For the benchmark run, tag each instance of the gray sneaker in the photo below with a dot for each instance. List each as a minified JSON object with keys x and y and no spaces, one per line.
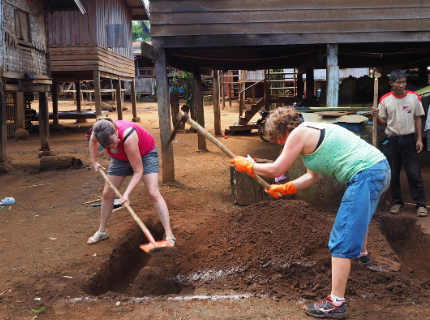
{"x":421,"y":212}
{"x":397,"y":208}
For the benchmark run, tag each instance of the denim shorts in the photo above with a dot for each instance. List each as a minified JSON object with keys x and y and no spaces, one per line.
{"x":363,"y":193}
{"x":123,"y":168}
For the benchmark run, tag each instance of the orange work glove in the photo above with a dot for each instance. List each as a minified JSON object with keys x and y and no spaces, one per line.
{"x":243,"y":165}
{"x":283,"y":189}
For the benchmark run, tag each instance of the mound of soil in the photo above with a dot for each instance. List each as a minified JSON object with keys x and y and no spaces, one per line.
{"x":276,"y":248}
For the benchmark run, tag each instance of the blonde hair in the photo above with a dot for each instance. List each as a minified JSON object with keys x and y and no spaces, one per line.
{"x":103,"y":129}
{"x":281,"y":121}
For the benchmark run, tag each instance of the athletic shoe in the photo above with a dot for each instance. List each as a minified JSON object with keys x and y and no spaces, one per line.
{"x":365,"y":259}
{"x":326,"y":309}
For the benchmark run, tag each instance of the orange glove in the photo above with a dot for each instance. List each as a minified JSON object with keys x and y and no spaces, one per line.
{"x":243,"y":165}
{"x":283,"y":189}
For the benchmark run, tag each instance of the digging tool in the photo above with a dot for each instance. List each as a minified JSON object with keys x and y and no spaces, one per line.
{"x":375,"y":117}
{"x":223,"y":148}
{"x":153,"y":245}
{"x":183,"y":119}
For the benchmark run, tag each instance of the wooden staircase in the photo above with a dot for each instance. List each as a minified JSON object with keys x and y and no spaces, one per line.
{"x":243,"y":120}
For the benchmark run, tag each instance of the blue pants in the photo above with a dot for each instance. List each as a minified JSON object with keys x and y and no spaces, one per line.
{"x":363,"y":193}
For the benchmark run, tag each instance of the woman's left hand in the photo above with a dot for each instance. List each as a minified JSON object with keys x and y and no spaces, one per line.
{"x":124,"y":200}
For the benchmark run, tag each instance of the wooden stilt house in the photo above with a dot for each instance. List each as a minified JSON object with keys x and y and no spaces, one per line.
{"x":96,"y":45}
{"x":24,"y":67}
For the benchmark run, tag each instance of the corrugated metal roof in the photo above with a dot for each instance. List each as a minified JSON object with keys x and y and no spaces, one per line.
{"x":138,"y":9}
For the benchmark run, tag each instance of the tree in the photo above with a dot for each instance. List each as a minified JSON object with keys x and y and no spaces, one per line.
{"x":141,"y":30}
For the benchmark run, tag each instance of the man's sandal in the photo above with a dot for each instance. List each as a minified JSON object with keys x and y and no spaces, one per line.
{"x":98,"y":236}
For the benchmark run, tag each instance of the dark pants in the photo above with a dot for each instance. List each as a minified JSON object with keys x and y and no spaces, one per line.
{"x":402,"y":150}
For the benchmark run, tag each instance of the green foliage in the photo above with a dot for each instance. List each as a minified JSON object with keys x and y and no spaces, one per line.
{"x":38,"y":311}
{"x":138,"y":33}
{"x":183,"y":82}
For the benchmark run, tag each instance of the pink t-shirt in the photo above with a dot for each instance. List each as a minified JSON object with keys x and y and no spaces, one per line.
{"x":146,"y":141}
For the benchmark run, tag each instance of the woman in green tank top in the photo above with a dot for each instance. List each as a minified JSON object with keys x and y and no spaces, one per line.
{"x":328,"y":149}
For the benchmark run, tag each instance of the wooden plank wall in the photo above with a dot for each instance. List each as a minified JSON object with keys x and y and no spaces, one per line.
{"x":88,"y":58}
{"x":289,"y":22}
{"x":70,"y":28}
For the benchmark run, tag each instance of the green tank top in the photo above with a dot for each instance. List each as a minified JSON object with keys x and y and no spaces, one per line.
{"x":342,"y":154}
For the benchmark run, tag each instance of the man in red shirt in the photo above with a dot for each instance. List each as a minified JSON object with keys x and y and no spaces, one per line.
{"x":401,"y":111}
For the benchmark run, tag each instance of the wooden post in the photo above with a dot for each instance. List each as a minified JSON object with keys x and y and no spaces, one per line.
{"x":74,"y":93}
{"x":332,"y":76}
{"x":167,"y":160}
{"x":267,"y":92}
{"x":79,"y":96}
{"x":134,"y":102}
{"x":310,"y":83}
{"x":97,"y":93}
{"x":113,"y":93}
{"x":300,"y":86}
{"x":20,"y":110}
{"x":375,"y":117}
{"x":55,"y":101}
{"x":198,"y":106}
{"x":3,"y":118}
{"x":253,"y":94}
{"x":44,"y":124}
{"x":222,"y":89}
{"x":119,"y":99}
{"x":230,"y":85}
{"x":217,"y":113}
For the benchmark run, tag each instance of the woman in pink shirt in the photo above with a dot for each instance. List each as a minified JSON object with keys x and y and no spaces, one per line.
{"x":133,"y":153}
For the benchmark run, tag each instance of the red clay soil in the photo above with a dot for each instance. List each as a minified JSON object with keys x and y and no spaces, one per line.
{"x":262,"y":261}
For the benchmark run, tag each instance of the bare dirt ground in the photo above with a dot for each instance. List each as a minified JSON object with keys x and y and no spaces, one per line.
{"x":262,"y":261}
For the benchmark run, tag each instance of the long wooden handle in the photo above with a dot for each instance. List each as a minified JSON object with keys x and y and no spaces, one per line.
{"x":139,"y":222}
{"x":375,"y":117}
{"x":230,"y":154}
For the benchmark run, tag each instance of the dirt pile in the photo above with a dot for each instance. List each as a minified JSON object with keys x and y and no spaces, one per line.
{"x":276,"y":248}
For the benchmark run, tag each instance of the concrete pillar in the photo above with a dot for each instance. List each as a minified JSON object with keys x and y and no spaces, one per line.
{"x":332,"y":76}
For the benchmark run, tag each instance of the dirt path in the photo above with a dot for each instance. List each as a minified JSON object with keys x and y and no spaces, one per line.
{"x":262,"y":261}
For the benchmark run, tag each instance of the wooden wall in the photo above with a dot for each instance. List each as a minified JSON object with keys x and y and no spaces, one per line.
{"x":69,"y":28}
{"x":279,"y":22}
{"x":30,"y":54}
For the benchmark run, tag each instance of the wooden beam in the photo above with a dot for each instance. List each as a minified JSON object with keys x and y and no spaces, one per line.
{"x":167,"y":160}
{"x":332,"y":76}
{"x":148,"y":51}
{"x":310,"y":83}
{"x":44,"y":123}
{"x":20,"y":110}
{"x":217,"y":112}
{"x":118,"y":99}
{"x":97,"y":94}
{"x":198,"y":106}
{"x":133,"y":101}
{"x":3,"y":125}
{"x":79,"y":96}
{"x":55,"y":102}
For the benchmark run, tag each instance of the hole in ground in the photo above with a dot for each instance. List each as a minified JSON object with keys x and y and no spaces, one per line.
{"x":410,"y":243}
{"x":126,"y":270}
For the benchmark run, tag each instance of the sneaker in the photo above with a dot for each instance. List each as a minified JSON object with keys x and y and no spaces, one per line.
{"x":397,"y":208}
{"x":326,"y":309}
{"x":365,"y":259}
{"x":421,"y":212}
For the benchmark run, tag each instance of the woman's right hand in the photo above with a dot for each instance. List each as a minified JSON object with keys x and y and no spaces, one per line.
{"x":97,"y":166}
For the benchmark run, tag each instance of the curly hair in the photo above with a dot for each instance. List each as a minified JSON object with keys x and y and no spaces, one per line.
{"x":279,"y":122}
{"x":103,"y":129}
